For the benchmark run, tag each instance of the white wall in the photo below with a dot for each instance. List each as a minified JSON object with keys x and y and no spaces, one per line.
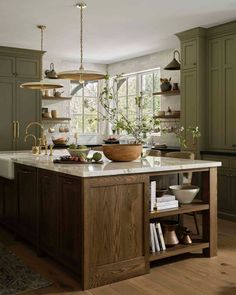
{"x":142,"y":63}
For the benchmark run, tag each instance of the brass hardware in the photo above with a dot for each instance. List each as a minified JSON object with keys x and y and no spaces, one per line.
{"x":35,"y":148}
{"x":81,"y":74}
{"x":18,"y":129}
{"x":35,"y":123}
{"x":14,"y":130}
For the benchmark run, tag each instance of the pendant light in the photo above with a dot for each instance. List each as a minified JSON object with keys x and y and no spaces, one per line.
{"x":42,"y":84}
{"x":81,"y":75}
{"x":174,"y":64}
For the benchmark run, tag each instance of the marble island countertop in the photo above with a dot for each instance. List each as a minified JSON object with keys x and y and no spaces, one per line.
{"x":108,"y":168}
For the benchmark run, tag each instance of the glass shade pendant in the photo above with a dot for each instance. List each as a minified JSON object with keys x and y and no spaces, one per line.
{"x":43,"y":84}
{"x":174,"y":65}
{"x":81,"y":75}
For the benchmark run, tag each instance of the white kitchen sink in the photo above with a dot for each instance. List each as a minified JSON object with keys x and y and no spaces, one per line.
{"x":7,"y":165}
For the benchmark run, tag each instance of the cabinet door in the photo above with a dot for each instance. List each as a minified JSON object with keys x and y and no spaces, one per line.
{"x":2,"y":197}
{"x":224,"y":198}
{"x":48,"y":211}
{"x":115,"y":229}
{"x":7,"y":66}
{"x":70,"y":221}
{"x":7,"y":93}
{"x":26,"y":178}
{"x":229,"y":87}
{"x":28,"y":109}
{"x":216,"y":120}
{"x":189,"y":105}
{"x":27,"y":68}
{"x":233,"y":194}
{"x":10,"y":205}
{"x":189,"y":55}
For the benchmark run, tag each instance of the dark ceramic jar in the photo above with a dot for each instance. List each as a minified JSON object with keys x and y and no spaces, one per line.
{"x":165,"y":86}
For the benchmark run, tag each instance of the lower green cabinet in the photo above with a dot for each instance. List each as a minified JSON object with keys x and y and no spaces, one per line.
{"x":226,"y":186}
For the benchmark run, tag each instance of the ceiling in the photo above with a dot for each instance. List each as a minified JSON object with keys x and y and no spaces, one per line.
{"x":114,"y":30}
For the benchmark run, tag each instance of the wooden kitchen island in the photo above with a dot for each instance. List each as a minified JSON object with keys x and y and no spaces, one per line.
{"x":94,"y":219}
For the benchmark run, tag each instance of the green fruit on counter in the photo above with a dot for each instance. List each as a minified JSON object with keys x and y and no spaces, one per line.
{"x":72,"y":146}
{"x":97,"y":157}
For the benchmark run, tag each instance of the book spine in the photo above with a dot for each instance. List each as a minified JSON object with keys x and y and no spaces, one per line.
{"x":159,"y":230}
{"x":153,"y":195}
{"x":156,"y":238}
{"x":152,"y":239}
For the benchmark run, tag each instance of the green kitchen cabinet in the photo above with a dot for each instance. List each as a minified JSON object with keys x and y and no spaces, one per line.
{"x":189,"y":54}
{"x":7,"y":66}
{"x":7,"y":114}
{"x":222,"y":92}
{"x":226,"y":185}
{"x":193,"y":84}
{"x":28,"y":106}
{"x":189,"y":103}
{"x":18,"y":106}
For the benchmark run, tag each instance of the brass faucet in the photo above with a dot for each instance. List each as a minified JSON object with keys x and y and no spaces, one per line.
{"x":35,"y":148}
{"x":42,"y":140}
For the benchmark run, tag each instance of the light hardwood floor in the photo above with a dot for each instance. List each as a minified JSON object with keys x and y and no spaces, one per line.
{"x":186,"y":274}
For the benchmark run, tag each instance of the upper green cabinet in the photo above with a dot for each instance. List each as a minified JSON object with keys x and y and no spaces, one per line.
{"x":189,"y":54}
{"x":7,"y":66}
{"x":27,"y":68}
{"x":18,"y":106}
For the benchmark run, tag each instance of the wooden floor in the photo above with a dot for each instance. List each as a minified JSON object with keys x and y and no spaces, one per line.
{"x":186,"y":274}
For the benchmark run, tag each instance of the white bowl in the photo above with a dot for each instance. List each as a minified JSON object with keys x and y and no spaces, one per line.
{"x":184,"y":193}
{"x":76,"y":152}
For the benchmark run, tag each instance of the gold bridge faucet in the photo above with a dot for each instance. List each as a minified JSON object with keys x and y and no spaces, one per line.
{"x":42,"y":139}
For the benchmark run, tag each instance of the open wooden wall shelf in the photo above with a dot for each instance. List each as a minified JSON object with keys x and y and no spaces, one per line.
{"x":55,"y":119}
{"x":167,"y":93}
{"x":56,"y":98}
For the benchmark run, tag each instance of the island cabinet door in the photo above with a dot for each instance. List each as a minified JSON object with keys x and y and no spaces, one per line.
{"x":48,"y":211}
{"x":70,"y":226}
{"x":116,"y":241}
{"x":26,"y":186}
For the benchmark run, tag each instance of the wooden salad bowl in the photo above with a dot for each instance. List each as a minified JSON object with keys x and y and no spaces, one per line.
{"x":122,"y":152}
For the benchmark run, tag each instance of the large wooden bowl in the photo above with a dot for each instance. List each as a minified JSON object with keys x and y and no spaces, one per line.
{"x":122,"y":152}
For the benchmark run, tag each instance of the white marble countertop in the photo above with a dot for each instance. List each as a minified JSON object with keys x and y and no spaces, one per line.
{"x":147,"y":165}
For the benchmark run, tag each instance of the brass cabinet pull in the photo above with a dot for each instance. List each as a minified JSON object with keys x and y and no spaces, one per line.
{"x":14,"y":130}
{"x":18,"y":129}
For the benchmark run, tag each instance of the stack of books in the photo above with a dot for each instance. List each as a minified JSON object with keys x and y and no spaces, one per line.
{"x":157,"y":242}
{"x":166,"y":202}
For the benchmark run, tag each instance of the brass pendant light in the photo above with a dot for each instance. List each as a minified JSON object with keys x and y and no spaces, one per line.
{"x":174,"y":65}
{"x":42,"y":84}
{"x":81,"y":75}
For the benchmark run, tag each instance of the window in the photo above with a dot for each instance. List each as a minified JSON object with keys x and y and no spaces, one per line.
{"x":84,"y":120}
{"x":131,"y":85}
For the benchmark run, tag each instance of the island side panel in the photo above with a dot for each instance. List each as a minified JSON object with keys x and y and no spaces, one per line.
{"x":116,"y":237}
{"x":209,"y":220}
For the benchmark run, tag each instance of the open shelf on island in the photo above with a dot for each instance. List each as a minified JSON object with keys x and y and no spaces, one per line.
{"x":197,"y":205}
{"x":55,"y":119}
{"x":179,"y":249}
{"x":56,"y":97}
{"x":167,"y":93}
